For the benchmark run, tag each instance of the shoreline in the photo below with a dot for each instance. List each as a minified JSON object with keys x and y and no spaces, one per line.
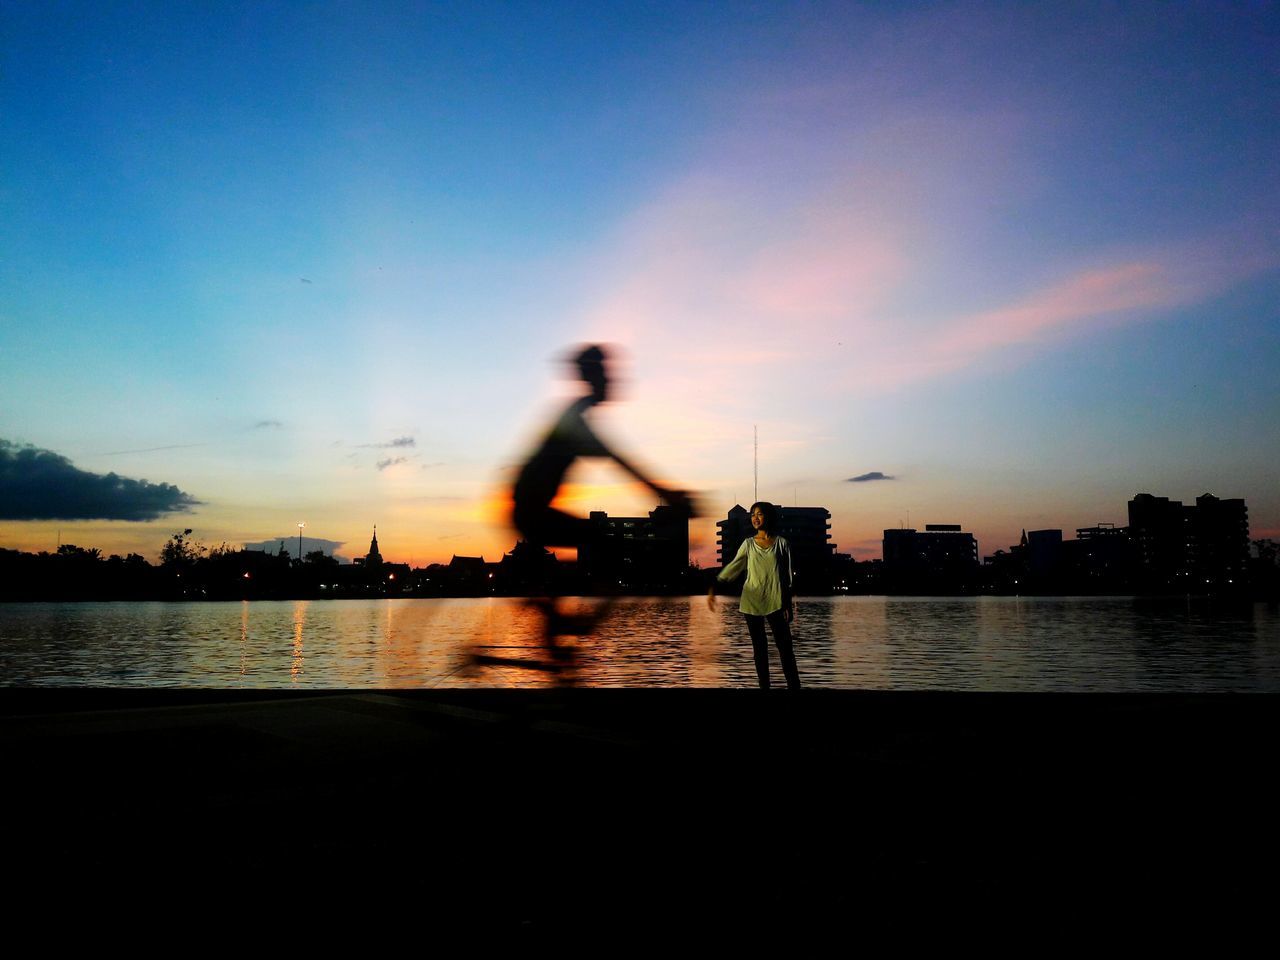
{"x":603,"y":800}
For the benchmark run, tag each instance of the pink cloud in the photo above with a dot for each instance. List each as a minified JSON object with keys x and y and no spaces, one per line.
{"x":1066,"y":307}
{"x":761,"y":287}
{"x":1127,"y":287}
{"x":1132,"y":290}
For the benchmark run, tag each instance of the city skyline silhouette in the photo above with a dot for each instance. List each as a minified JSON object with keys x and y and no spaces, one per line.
{"x":1167,"y":548}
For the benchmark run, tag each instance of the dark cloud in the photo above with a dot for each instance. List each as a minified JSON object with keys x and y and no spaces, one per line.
{"x":873,"y":475}
{"x":268,"y":425}
{"x":397,"y":444}
{"x":391,"y":462}
{"x":39,"y":484}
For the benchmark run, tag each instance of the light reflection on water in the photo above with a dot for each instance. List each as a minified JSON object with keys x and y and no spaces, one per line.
{"x":915,"y":643}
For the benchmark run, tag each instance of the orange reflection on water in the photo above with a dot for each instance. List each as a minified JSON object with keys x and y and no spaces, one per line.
{"x":512,"y":629}
{"x":299,"y":620}
{"x":707,"y":638}
{"x":244,"y":637}
{"x":398,"y":651}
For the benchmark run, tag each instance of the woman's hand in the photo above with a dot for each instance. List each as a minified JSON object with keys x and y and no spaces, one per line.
{"x":789,"y":612}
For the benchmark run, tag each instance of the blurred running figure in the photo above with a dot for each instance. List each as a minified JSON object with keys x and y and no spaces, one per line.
{"x":570,"y":437}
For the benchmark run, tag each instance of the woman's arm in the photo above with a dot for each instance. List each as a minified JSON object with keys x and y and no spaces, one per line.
{"x":785,"y":573}
{"x":734,"y":570}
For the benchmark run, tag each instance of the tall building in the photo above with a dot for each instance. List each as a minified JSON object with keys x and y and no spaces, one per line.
{"x":1187,"y":548}
{"x":1160,"y":531}
{"x":731,"y":531}
{"x":637,"y":553}
{"x":813,"y":555}
{"x":806,"y":529}
{"x":1219,"y":543}
{"x":941,"y":559}
{"x":1044,"y":555}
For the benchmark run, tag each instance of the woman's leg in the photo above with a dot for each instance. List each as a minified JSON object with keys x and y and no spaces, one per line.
{"x":786,"y":651}
{"x":759,"y":647}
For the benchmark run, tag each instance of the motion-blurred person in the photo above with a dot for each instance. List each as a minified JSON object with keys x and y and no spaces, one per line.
{"x":569,"y":438}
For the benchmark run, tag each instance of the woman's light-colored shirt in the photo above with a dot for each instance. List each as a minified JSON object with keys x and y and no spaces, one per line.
{"x":762,"y":593}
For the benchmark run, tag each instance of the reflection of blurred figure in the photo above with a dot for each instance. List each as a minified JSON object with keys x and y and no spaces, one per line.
{"x":766,"y":559}
{"x":541,"y":524}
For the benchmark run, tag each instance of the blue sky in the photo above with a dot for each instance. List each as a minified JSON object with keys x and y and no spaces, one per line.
{"x":1021,"y":258}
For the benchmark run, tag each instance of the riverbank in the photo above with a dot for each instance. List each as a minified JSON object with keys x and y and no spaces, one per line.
{"x":529,"y":808}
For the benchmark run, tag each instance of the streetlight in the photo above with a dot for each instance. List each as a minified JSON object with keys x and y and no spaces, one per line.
{"x":300,"y":526}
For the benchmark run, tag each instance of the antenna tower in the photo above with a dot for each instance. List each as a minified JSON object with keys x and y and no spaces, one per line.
{"x":755,"y":468}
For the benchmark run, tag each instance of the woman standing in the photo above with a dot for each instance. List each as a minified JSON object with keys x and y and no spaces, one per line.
{"x":766,"y":558}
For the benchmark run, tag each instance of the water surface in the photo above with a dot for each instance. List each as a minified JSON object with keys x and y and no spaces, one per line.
{"x":887,"y":643}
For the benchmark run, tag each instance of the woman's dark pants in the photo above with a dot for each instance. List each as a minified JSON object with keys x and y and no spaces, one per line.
{"x":781,"y":639}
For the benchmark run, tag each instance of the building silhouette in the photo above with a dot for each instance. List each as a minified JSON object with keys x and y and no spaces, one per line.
{"x":371,"y":575}
{"x":527,"y":570}
{"x":1168,"y":547}
{"x":1007,"y":571}
{"x":1160,"y":531}
{"x":813,"y":555}
{"x":1101,"y":559}
{"x":942,"y":559}
{"x":373,"y":559}
{"x":1044,"y":555}
{"x":1184,"y":548}
{"x":641,"y":554}
{"x":731,"y":531}
{"x":1219,"y":543}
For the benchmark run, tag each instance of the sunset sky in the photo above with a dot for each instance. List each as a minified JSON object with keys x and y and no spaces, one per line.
{"x":322,"y":262}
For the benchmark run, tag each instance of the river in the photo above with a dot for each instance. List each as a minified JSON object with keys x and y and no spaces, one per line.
{"x":883,"y":643}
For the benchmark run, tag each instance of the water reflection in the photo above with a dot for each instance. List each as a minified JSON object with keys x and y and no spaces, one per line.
{"x":244,"y":638}
{"x":812,"y":632}
{"x":299,"y":621}
{"x":983,"y":643}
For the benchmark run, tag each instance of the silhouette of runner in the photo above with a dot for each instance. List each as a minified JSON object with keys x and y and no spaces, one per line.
{"x":541,"y":524}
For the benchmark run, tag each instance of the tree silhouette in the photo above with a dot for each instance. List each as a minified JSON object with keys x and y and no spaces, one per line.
{"x":181,"y":552}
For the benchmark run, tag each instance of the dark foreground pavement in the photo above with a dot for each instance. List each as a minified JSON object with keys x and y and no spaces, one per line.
{"x":548,"y":809}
